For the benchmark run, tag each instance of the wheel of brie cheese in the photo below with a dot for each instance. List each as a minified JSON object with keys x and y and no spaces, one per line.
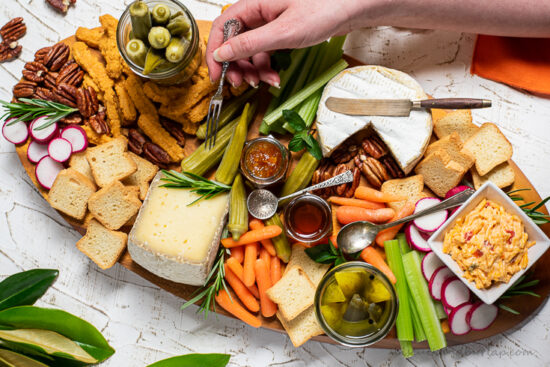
{"x":406,"y":137}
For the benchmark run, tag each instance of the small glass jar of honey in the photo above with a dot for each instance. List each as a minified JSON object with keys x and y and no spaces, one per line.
{"x":264,"y":161}
{"x":307,"y":218}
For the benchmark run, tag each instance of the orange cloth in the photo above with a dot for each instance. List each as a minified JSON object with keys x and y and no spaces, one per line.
{"x":519,"y":62}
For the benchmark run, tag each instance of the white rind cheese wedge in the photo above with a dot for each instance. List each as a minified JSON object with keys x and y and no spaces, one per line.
{"x":176,"y":241}
{"x":406,"y":137}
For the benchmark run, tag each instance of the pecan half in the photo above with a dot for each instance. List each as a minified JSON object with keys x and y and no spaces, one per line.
{"x":329,"y":173}
{"x":61,"y":5}
{"x":73,"y":118}
{"x":35,"y":71}
{"x":345,"y":154}
{"x":98,"y":124}
{"x":57,"y":56}
{"x":136,"y":141}
{"x":354,"y":184}
{"x":374,"y":171}
{"x":49,"y":80}
{"x":9,"y":50}
{"x":41,"y":54}
{"x":86,"y":101}
{"x":13,"y":30}
{"x":319,"y":174}
{"x":175,"y":130}
{"x":65,"y":94}
{"x":374,"y":147}
{"x":43,"y":93}
{"x":70,"y":74}
{"x":156,"y":154}
{"x":24,"y":89}
{"x":392,"y":167}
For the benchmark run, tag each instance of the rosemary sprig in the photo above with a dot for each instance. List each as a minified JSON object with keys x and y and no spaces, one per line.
{"x":33,"y":108}
{"x":519,"y":289}
{"x":531,"y":211}
{"x":213,"y":284}
{"x":206,"y":189}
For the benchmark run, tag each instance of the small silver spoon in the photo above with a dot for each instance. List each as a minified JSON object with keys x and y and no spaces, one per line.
{"x":356,"y":236}
{"x":262,"y":204}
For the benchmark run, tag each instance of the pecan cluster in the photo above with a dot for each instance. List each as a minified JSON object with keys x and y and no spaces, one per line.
{"x":138,"y":144}
{"x":11,"y":32}
{"x":61,"y":5}
{"x":370,"y":158}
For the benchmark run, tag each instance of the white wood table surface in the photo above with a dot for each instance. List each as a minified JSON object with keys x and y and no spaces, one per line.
{"x":144,"y":323}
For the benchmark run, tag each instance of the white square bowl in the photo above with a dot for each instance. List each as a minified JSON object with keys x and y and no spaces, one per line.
{"x":491,"y":192}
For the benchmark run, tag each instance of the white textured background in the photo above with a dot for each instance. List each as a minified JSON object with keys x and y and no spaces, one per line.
{"x":145,"y":324}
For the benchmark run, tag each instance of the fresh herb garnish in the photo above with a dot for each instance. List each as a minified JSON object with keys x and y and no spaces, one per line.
{"x":328,"y":254}
{"x":33,"y":108}
{"x":531,"y":211}
{"x":519,"y":288}
{"x":214,"y":283}
{"x":303,"y":137}
{"x":206,"y":189}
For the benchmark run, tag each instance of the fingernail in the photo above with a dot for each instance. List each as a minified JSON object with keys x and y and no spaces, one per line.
{"x":253,"y":84}
{"x":233,"y":85}
{"x":276,"y":85}
{"x":223,"y":53}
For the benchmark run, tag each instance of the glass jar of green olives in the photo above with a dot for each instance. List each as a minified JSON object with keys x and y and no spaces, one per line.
{"x":159,"y":40}
{"x":355,"y":304}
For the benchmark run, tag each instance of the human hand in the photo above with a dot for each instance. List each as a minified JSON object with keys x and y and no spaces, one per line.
{"x":271,"y":25}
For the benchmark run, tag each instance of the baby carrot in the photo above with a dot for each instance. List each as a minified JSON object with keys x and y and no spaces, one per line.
{"x":254,"y":235}
{"x":267,"y":243}
{"x":390,"y":233}
{"x":241,"y":291}
{"x":372,"y":256}
{"x":254,"y":290}
{"x":356,"y":202}
{"x":235,"y":267}
{"x":250,"y":255}
{"x":238,"y":253}
{"x":349,"y":214}
{"x":266,"y":257}
{"x":263,"y":279}
{"x":370,"y":194}
{"x":234,"y":308}
{"x":275,"y":269}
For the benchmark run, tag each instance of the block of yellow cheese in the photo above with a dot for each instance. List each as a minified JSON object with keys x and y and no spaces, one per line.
{"x":174,"y":240}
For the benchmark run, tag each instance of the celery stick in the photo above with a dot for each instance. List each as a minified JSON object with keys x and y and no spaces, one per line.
{"x":309,"y":109}
{"x":306,"y":69}
{"x":439,"y":309}
{"x":423,"y":301}
{"x":296,"y":56}
{"x":404,"y":322}
{"x":307,"y":91}
{"x":419,"y":334}
{"x":406,"y":349}
{"x":403,"y":244}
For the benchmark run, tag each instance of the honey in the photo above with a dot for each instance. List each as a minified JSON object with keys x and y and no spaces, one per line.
{"x":307,"y":218}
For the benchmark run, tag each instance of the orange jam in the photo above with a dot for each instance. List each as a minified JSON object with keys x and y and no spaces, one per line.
{"x":263,"y":159}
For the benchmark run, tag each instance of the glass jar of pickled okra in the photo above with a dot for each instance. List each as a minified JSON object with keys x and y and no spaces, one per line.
{"x":264,"y":161}
{"x":160,"y":41}
{"x":356,"y":304}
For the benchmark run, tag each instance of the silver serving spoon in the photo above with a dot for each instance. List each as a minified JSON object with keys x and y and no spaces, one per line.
{"x":262,"y":204}
{"x":356,"y":236}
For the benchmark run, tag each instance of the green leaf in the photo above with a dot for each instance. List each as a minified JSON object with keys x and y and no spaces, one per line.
{"x":506,"y":308}
{"x":26,"y":287}
{"x":12,"y":359}
{"x":296,"y":144}
{"x":313,"y":147}
{"x":61,"y":322}
{"x":194,"y":360}
{"x":294,"y":120}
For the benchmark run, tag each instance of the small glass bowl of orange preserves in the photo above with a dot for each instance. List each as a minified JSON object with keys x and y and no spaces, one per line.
{"x":264,"y":161}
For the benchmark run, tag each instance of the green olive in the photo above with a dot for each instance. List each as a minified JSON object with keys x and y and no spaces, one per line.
{"x":159,"y":37}
{"x":136,"y":51}
{"x":161,"y":14}
{"x":176,"y":50}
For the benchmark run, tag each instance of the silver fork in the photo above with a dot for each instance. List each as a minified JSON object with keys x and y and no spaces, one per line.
{"x":230,"y":29}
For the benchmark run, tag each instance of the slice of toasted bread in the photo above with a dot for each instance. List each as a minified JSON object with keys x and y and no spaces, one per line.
{"x":489,"y":147}
{"x":410,"y":187}
{"x":79,"y":163}
{"x":110,"y":161}
{"x":70,"y":193}
{"x":313,"y":270}
{"x":459,"y":121}
{"x":440,"y":172}
{"x":114,"y":205}
{"x":502,"y":175}
{"x":101,"y":245}
{"x":293,"y":293}
{"x":453,"y":146}
{"x":145,"y":172}
{"x":301,"y":328}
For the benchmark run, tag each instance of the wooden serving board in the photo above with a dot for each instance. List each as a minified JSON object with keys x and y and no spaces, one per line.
{"x":525,"y":305}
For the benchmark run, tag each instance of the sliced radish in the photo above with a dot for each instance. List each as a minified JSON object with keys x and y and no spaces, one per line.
{"x":60,"y":150}
{"x":415,"y":238}
{"x":481,"y":316}
{"x":46,"y":171}
{"x":42,"y":135}
{"x":76,"y":136}
{"x":430,"y":263}
{"x":436,"y":281}
{"x":454,"y":293}
{"x":36,"y":151}
{"x":457,"y":319}
{"x":448,"y":310}
{"x":455,"y":190}
{"x":16,"y":133}
{"x":431,"y":222}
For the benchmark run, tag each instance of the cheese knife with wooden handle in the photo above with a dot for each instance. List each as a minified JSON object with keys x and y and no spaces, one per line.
{"x":399,"y":107}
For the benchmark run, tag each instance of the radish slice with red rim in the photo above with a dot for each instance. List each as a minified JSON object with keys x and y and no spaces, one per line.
{"x":436,"y":281}
{"x":42,"y":135}
{"x":430,"y":263}
{"x":455,"y":190}
{"x":481,"y":316}
{"x":454,"y":293}
{"x":36,"y":151}
{"x":16,"y":133}
{"x":60,"y":150}
{"x":415,"y":239}
{"x":76,"y":136}
{"x":431,"y":222}
{"x":46,"y":171}
{"x":457,"y":319}
{"x":447,"y":310}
